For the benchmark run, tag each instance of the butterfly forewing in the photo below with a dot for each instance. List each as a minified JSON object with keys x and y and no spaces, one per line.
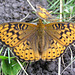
{"x":13,"y":33}
{"x":63,"y":32}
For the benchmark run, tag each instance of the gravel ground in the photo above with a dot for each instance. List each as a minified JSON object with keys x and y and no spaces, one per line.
{"x":14,"y":11}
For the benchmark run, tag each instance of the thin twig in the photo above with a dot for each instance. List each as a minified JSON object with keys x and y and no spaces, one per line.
{"x":61,"y":10}
{"x":5,"y":52}
{"x":1,"y":50}
{"x":59,"y":62}
{"x":68,"y":66}
{"x":31,"y":5}
{"x":22,"y":67}
{"x":59,"y":65}
{"x":24,"y":17}
{"x":8,"y":55}
{"x":26,"y":66}
{"x":71,"y":58}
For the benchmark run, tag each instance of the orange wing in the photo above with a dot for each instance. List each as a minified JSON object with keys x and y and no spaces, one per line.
{"x":24,"y":39}
{"x":21,"y":36}
{"x":44,"y":14}
{"x":58,"y":36}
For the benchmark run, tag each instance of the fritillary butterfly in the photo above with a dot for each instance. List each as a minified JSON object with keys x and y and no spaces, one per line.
{"x":44,"y":14}
{"x":34,"y":42}
{"x":31,"y":42}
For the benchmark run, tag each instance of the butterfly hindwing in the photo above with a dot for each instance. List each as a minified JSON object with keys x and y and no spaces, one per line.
{"x":53,"y":50}
{"x":26,"y":52}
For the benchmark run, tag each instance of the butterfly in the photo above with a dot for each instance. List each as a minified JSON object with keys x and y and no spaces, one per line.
{"x":44,"y":14}
{"x":31,"y":42}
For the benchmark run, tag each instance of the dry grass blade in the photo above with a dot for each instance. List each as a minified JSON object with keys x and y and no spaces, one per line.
{"x":59,"y":62}
{"x":22,"y":67}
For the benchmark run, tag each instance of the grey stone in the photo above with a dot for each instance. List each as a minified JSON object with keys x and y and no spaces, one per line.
{"x":74,"y":69}
{"x":16,"y":15}
{"x":65,"y":73}
{"x":14,"y":5}
{"x":51,"y":66}
{"x":7,"y":15}
{"x":1,"y":9}
{"x":54,"y":73}
{"x":1,"y":4}
{"x":7,"y":5}
{"x":74,"y":64}
{"x":10,"y":1}
{"x":45,"y":72}
{"x":30,"y":69}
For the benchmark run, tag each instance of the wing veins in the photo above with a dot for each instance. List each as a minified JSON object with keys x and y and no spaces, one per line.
{"x":23,"y":39}
{"x":53,"y":36}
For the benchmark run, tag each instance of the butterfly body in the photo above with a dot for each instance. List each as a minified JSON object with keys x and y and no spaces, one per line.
{"x":41,"y":33}
{"x":31,"y":42}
